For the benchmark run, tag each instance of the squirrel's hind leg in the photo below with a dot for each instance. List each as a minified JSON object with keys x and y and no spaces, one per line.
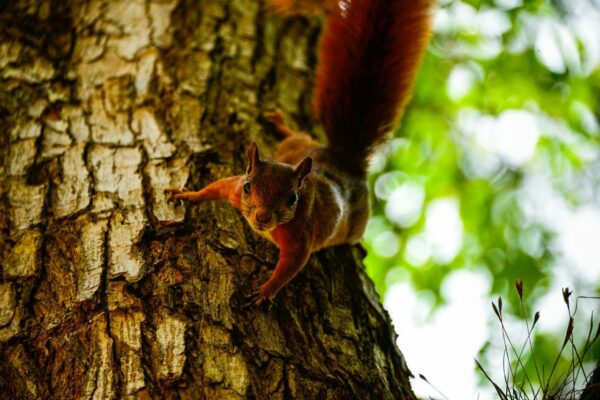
{"x":278,"y":120}
{"x":296,"y":145}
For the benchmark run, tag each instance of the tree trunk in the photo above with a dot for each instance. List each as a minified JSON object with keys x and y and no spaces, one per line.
{"x":103,"y":105}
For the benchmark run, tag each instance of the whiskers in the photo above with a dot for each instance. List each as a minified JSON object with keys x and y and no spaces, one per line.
{"x":285,"y":217}
{"x":284,"y":220}
{"x":246,"y":208}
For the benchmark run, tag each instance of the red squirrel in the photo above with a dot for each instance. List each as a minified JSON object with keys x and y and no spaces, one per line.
{"x":313,"y":195}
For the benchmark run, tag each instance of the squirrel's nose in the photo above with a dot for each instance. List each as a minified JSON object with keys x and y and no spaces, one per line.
{"x":263,"y":216}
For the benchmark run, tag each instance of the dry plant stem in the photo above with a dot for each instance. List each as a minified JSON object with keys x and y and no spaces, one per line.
{"x":505,"y":355}
{"x":529,"y":331}
{"x":432,"y":386}
{"x":498,"y":389}
{"x":519,"y":361}
{"x":574,"y":356}
{"x":565,"y":387}
{"x":585,"y":298}
{"x":588,"y":344}
{"x":528,"y":342}
{"x":589,"y":341}
{"x":554,"y":365}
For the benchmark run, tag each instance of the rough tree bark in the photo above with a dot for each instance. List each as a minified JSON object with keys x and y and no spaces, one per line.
{"x":103,"y":105}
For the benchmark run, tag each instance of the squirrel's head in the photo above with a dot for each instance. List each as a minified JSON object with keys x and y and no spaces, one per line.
{"x":271,"y":190}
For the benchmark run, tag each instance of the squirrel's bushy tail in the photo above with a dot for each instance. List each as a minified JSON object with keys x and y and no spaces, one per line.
{"x":294,"y":7}
{"x":369,"y":55}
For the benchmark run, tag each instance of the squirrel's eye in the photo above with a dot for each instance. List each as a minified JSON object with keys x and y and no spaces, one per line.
{"x":293,"y":199}
{"x":246,"y":187}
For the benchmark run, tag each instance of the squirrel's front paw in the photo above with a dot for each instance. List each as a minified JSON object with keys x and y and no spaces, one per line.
{"x":174,"y":194}
{"x":253,"y":299}
{"x":264,"y":294}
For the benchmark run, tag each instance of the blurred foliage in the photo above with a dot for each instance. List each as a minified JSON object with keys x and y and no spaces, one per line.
{"x":528,"y":70}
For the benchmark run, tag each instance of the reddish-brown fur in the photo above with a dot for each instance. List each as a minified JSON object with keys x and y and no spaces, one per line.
{"x":314,"y":196}
{"x":369,"y":56}
{"x":293,"y":7}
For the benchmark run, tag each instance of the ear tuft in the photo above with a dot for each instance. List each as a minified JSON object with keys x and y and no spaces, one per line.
{"x":303,"y":169}
{"x":253,"y":157}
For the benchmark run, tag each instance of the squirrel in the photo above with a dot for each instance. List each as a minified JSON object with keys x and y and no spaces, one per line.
{"x":312,"y":195}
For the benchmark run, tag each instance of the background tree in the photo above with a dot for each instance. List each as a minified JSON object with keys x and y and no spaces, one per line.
{"x":105,"y":104}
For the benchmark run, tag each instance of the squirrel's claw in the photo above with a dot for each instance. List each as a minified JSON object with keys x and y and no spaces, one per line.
{"x":172,"y":195}
{"x":253,"y":299}
{"x":256,"y":299}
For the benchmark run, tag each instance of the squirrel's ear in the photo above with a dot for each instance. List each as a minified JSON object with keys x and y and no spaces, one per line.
{"x":303,"y":169}
{"x":253,"y":157}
